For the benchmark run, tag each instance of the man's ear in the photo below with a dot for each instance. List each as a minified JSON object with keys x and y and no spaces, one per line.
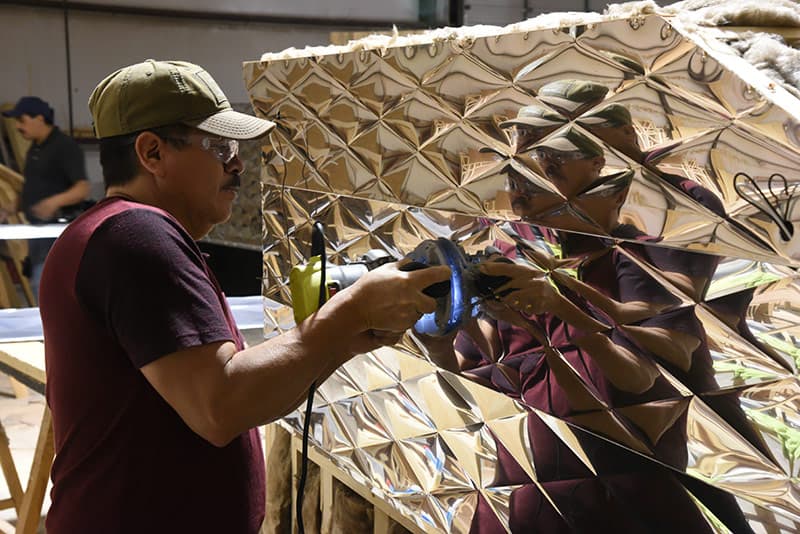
{"x":149,"y":147}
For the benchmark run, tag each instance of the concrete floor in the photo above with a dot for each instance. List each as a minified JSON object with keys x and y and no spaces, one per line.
{"x":20,"y":418}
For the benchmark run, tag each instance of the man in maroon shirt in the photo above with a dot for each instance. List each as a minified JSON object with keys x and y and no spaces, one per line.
{"x":154,"y":398}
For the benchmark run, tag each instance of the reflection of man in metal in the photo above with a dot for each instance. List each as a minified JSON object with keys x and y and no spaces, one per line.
{"x":573,"y":163}
{"x":527,"y":192}
{"x":552,"y":340}
{"x":645,"y":321}
{"x":691,"y":272}
{"x":613,"y":124}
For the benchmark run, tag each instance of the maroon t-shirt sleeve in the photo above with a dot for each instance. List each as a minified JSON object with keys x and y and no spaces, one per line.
{"x":144,"y":279}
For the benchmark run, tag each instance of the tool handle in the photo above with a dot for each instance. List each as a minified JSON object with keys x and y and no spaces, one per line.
{"x":437,"y":290}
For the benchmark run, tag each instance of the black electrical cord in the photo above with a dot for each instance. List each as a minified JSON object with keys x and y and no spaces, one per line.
{"x":317,"y":249}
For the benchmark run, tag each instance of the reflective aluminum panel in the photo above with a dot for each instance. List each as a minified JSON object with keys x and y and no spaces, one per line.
{"x":637,"y":367}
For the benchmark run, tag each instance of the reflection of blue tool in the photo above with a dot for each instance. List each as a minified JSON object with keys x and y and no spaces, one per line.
{"x":456,"y":299}
{"x":452,"y":306}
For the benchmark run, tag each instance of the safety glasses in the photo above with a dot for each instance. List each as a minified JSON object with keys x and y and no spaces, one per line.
{"x":222,"y":149}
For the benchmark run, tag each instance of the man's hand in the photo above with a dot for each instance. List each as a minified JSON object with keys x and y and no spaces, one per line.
{"x":388,"y":301}
{"x":528,"y":290}
{"x":46,"y":209}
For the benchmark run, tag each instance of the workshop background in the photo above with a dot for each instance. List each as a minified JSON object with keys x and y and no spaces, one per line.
{"x":60,"y":50}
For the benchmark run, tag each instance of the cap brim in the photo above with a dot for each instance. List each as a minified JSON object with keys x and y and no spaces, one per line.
{"x":596,"y":121}
{"x":233,"y":125}
{"x":562,"y":103}
{"x":12,"y":113}
{"x":600,"y":120}
{"x":531,"y":123}
{"x":611,"y":183}
{"x":559,"y":143}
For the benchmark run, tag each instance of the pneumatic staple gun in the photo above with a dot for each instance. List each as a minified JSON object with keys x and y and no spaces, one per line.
{"x":456,"y":299}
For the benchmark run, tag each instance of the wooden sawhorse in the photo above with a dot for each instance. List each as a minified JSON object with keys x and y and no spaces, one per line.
{"x":24,"y":361}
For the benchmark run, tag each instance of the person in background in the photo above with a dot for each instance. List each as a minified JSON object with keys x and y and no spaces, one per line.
{"x":55,"y":175}
{"x":154,"y":397}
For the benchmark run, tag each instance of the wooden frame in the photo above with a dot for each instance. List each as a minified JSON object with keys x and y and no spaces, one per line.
{"x":384,"y":516}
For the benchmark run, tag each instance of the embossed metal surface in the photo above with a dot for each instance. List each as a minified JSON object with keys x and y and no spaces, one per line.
{"x":639,"y":369}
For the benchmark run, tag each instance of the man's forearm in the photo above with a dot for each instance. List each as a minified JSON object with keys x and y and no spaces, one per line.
{"x":267,"y":381}
{"x":299,"y":401}
{"x":221,"y":393}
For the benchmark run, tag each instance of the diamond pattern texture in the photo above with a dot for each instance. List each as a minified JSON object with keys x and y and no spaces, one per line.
{"x":642,"y":373}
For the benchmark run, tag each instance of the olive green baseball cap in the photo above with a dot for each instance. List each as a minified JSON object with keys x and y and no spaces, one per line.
{"x":160,"y":93}
{"x":610,"y":115}
{"x":571,"y":141}
{"x":569,"y":95}
{"x":535,"y":116}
